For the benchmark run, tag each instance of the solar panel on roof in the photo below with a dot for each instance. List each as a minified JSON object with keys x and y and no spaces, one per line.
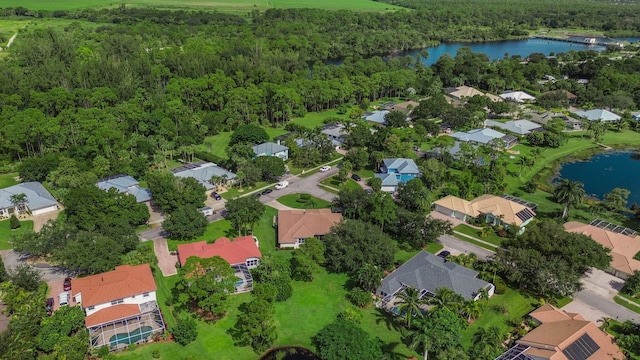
{"x":530,"y":205}
{"x":612,"y":227}
{"x":515,"y":353}
{"x":581,"y":349}
{"x":524,"y":214}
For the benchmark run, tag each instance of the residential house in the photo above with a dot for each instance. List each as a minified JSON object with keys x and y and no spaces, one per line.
{"x":571,"y":97}
{"x":377,"y":117}
{"x":242,"y":254}
{"x":125,"y":184}
{"x":563,"y":335}
{"x":427,"y":273}
{"x":336,"y":133}
{"x":120,"y":305}
{"x":519,"y":127}
{"x":624,"y":247}
{"x":294,"y":226}
{"x":204,"y":172}
{"x":544,"y":117}
{"x":517,"y":96}
{"x":271,"y":149}
{"x":491,"y":209}
{"x":397,"y":171}
{"x":37,"y":200}
{"x":599,"y":115}
{"x":464,"y":92}
{"x":405,"y":107}
{"x":485,"y":137}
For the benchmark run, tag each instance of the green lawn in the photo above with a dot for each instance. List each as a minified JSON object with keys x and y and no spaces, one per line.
{"x":401,"y":256}
{"x":293,"y":200}
{"x":335,"y":182}
{"x":219,"y":5}
{"x":631,"y":306}
{"x":7,"y":180}
{"x":517,"y":305}
{"x":6,"y":232}
{"x":468,"y":230}
{"x":315,"y":119}
{"x":216,"y":144}
{"x":235,"y":191}
{"x":478,"y":243}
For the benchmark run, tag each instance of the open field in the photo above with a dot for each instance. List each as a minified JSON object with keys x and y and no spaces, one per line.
{"x":222,"y":5}
{"x":7,"y":180}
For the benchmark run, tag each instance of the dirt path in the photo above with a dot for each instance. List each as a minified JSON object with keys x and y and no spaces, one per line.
{"x":10,"y":41}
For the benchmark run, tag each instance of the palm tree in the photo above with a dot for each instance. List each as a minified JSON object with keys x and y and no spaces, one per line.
{"x":569,"y":193}
{"x":446,"y":298}
{"x":606,"y":323}
{"x":524,"y":162}
{"x":19,"y":201}
{"x":471,"y":309}
{"x":418,"y":338}
{"x":410,"y":306}
{"x":599,"y":128}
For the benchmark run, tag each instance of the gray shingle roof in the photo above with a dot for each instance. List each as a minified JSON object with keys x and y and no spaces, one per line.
{"x":520,"y":127}
{"x":598,"y":114}
{"x":37,"y":196}
{"x":481,"y":136}
{"x":126,"y":184}
{"x":402,"y":165}
{"x":203,"y":173}
{"x":268,"y":148}
{"x":376,"y":116}
{"x":429,"y":272}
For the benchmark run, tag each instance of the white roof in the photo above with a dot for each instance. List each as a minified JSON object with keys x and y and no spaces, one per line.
{"x":517,"y":96}
{"x":598,"y":114}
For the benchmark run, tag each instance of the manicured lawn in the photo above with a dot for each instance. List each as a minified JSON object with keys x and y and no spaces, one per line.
{"x":365,"y":173}
{"x":216,"y":144}
{"x":631,"y":306}
{"x":215,"y":230}
{"x":315,"y":119}
{"x":293,"y":200}
{"x":7,"y":180}
{"x":517,"y":305}
{"x":266,"y":232}
{"x":335,"y":182}
{"x":492,"y":238}
{"x":235,"y":191}
{"x":483,"y":245}
{"x":401,"y":256}
{"x":6,"y":233}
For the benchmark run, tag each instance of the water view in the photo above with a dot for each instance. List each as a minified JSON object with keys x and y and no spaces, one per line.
{"x":605,"y":171}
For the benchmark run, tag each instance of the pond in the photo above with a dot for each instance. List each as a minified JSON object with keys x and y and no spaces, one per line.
{"x":605,"y":171}
{"x":289,"y":353}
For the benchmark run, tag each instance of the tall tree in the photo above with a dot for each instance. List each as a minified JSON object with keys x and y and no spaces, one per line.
{"x":410,"y":303}
{"x":185,"y":223}
{"x":569,"y":193}
{"x":244,"y":212}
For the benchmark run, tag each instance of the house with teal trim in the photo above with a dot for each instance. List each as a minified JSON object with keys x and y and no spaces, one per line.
{"x":397,"y":171}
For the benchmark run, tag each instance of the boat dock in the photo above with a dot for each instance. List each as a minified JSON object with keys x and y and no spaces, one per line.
{"x":586,"y":41}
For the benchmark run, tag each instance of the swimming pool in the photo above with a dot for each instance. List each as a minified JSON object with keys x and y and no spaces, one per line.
{"x":132,"y":337}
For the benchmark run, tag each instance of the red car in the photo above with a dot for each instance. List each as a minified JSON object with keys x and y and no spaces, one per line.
{"x":49,"y":306}
{"x":67,"y":284}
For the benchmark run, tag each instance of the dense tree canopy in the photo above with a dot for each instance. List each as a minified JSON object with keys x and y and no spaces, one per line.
{"x":342,"y":340}
{"x":548,"y":261}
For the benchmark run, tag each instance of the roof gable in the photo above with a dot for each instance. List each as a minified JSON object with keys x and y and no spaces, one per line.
{"x":234,"y":252}
{"x":598,"y":114}
{"x":37,"y":196}
{"x":297,"y":224}
{"x":203,"y":173}
{"x":429,"y":272}
{"x":124,"y":281}
{"x":268,"y":148}
{"x":402,"y":165}
{"x":125,"y":184}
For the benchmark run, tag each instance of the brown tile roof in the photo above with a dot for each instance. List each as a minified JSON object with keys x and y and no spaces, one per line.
{"x":405,"y":107}
{"x":234,"y":252}
{"x":561,"y":330}
{"x":301,"y":224}
{"x":623,"y":247}
{"x":486,"y":204}
{"x":112,"y":313}
{"x":124,"y":281}
{"x":549,"y":313}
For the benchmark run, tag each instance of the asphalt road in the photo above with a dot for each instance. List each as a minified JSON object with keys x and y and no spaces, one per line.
{"x":457,"y":246}
{"x":307,"y":185}
{"x":607,"y":306}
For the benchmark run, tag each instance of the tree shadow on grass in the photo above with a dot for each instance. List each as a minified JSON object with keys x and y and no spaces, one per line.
{"x":390,"y":321}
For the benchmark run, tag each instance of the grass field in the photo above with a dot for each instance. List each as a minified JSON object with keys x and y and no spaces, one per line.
{"x":468,"y":230}
{"x":291,"y":200}
{"x":222,"y":5}
{"x":7,"y":180}
{"x":6,"y":232}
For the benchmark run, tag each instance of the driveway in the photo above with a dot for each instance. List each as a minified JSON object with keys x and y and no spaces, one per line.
{"x":308,"y":185}
{"x":49,"y":273}
{"x":588,"y":312}
{"x":166,"y":261}
{"x":40,"y":220}
{"x":457,"y":246}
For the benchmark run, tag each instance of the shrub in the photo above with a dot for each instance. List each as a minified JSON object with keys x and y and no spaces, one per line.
{"x":530,"y":187}
{"x":132,"y":347}
{"x":155,"y":354}
{"x":501,"y":287}
{"x":351,"y":314}
{"x":185,"y":332}
{"x":305,"y":197}
{"x":14,"y":222}
{"x":104,"y":351}
{"x":359,"y":297}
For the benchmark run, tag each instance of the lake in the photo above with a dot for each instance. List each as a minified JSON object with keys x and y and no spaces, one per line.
{"x":605,"y":171}
{"x":497,"y":49}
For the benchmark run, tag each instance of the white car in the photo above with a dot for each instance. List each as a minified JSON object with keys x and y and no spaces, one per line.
{"x":325,"y":168}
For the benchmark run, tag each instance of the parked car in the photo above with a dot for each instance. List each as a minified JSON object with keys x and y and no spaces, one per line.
{"x":63,"y":299}
{"x":356,"y":177}
{"x":444,"y":254}
{"x":266,"y":192}
{"x":216,"y":196}
{"x":67,"y":284}
{"x":49,"y":306}
{"x":282,"y":185}
{"x":325,"y":168}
